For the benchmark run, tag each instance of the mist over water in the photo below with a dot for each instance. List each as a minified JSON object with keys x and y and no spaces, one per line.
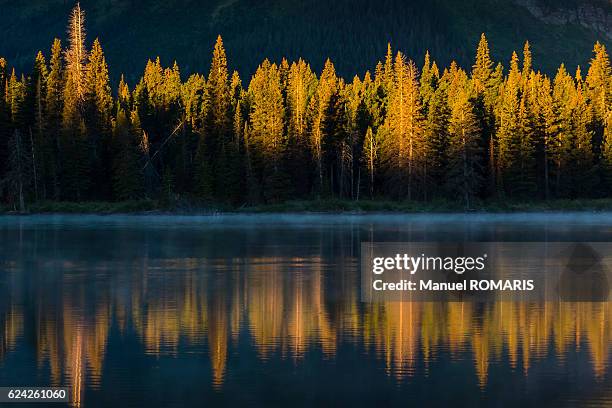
{"x":265,"y":310}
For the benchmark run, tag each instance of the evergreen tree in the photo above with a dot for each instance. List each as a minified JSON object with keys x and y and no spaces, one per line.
{"x":41,"y":146}
{"x":464,"y":175}
{"x":583,"y":174}
{"x":428,"y":82}
{"x":75,"y":58}
{"x":514,"y":144}
{"x":527,"y":64}
{"x":546,"y":131}
{"x":598,"y":91}
{"x":486,"y":83}
{"x":370,"y":156}
{"x":403,"y":148}
{"x":98,"y":106}
{"x":573,"y":150}
{"x":437,"y":136}
{"x":16,"y":178}
{"x":75,"y":147}
{"x":320,"y":107}
{"x":301,"y":86}
{"x":483,"y":67}
{"x":599,"y":82}
{"x":127,"y":177}
{"x":54,"y":105}
{"x":124,"y":98}
{"x":267,"y":139}
{"x":219,"y":115}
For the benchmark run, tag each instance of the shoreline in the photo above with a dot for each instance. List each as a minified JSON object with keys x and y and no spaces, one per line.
{"x":316,"y":207}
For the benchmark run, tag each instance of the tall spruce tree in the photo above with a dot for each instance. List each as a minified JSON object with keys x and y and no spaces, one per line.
{"x":437,"y":135}
{"x":301,"y":86}
{"x":98,"y":105}
{"x":267,"y":139}
{"x":219,"y":120}
{"x":486,"y":82}
{"x":320,"y":108}
{"x":127,"y":176}
{"x":75,"y":147}
{"x":598,"y":90}
{"x":41,"y":148}
{"x":404,"y":147}
{"x":546,"y":131}
{"x":54,"y":106}
{"x":464,"y":176}
{"x":510,"y":131}
{"x":370,"y":157}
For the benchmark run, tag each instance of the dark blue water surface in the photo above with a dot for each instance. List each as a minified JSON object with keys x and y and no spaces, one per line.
{"x":171,"y":311}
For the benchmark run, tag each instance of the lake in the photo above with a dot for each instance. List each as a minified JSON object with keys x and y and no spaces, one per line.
{"x":265,"y":310}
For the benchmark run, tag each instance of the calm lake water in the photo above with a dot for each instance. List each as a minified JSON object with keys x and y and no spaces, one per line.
{"x":265,"y":310}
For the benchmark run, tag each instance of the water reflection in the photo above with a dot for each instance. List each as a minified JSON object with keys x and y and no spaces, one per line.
{"x":241,"y":299}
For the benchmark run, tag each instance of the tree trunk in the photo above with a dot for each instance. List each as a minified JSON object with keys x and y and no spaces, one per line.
{"x":34,"y":166}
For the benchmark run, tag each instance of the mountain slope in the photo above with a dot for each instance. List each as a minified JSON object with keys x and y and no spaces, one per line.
{"x":353,"y":33}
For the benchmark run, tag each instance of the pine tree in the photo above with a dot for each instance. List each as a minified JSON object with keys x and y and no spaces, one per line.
{"x":127,"y":177}
{"x":428,"y":82}
{"x":483,"y":67}
{"x":98,"y":106}
{"x":599,"y":82}
{"x":598,"y":90}
{"x":193,"y":106}
{"x":403,"y":148}
{"x":219,"y":114}
{"x":75,"y":58}
{"x":301,"y":86}
{"x":526,"y":185}
{"x":267,"y":138}
{"x":235,"y":174}
{"x":54,"y":106}
{"x":510,"y":133}
{"x":41,"y":144}
{"x":437,"y":136}
{"x":75,"y":148}
{"x":546,"y":131}
{"x":388,"y":73}
{"x":320,"y":109}
{"x":18,"y":174}
{"x":583,"y":174}
{"x":527,"y":64}
{"x":215,"y":139}
{"x":464,"y":175}
{"x":124,"y":98}
{"x":573,"y":150}
{"x":17,"y":94}
{"x":370,"y":156}
{"x":338,"y":142}
{"x":561,"y":149}
{"x":486,"y":83}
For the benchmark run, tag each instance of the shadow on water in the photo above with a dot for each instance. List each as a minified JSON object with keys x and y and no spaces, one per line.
{"x":265,"y":310}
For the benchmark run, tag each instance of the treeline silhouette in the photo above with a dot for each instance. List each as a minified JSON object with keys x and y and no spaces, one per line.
{"x":401,"y":133}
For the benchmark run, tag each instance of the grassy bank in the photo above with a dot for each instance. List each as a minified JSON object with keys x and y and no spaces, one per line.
{"x":324,"y":206}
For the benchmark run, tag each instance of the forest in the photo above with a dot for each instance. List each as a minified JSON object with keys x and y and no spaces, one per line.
{"x":401,"y":132}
